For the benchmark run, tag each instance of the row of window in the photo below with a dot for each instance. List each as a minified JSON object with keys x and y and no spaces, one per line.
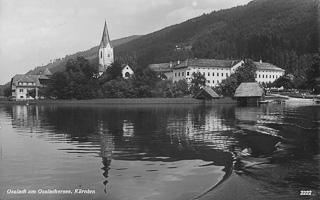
{"x":208,"y":74}
{"x":266,"y":76}
{"x":23,"y":83}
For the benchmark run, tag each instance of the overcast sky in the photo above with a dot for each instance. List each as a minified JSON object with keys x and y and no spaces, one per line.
{"x":33,"y":32}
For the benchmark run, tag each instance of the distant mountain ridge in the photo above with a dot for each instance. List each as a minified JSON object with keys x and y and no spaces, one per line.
{"x":91,"y":54}
{"x":268,"y":30}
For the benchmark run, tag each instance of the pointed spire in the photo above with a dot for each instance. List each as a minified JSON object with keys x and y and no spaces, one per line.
{"x":105,"y":36}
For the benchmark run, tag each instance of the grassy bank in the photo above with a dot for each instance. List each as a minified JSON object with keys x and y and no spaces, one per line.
{"x":125,"y":101}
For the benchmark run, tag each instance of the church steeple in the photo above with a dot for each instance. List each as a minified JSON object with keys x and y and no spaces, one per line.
{"x":105,"y":37}
{"x":106,"y":57}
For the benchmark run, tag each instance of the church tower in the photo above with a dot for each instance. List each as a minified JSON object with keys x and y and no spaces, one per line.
{"x":105,"y":51}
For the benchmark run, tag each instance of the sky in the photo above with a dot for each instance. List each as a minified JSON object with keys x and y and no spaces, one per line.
{"x":33,"y":32}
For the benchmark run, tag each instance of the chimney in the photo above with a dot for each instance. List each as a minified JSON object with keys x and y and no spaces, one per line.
{"x":260,"y":61}
{"x":178,"y":62}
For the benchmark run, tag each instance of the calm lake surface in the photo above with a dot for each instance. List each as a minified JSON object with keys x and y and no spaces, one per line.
{"x":129,"y":152}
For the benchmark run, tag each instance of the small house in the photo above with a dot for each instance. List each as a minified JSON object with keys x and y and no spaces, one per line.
{"x":249,"y":93}
{"x":127,"y":72}
{"x":206,"y":93}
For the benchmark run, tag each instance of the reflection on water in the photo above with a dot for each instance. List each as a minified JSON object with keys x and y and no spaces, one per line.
{"x":160,"y":151}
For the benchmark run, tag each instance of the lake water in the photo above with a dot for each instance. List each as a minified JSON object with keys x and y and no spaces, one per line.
{"x":133,"y":152}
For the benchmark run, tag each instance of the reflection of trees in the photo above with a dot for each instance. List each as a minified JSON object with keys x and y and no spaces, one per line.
{"x":160,"y":133}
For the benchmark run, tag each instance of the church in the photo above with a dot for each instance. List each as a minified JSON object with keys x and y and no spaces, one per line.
{"x":106,"y":55}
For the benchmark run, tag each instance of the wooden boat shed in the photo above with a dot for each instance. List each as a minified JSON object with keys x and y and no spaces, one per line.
{"x":249,"y":94}
{"x":206,"y":93}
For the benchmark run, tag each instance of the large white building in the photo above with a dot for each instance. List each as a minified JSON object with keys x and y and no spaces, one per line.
{"x":215,"y":70}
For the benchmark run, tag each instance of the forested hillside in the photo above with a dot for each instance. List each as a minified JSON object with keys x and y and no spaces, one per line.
{"x":282,"y":32}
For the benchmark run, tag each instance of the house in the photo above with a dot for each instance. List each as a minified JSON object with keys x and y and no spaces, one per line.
{"x":127,"y":72}
{"x":22,"y":83}
{"x":214,"y":70}
{"x":206,"y":93}
{"x":267,"y":73}
{"x":249,"y":93}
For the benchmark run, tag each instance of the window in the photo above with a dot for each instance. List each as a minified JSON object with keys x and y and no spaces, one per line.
{"x":221,"y":74}
{"x":187,"y":73}
{"x":208,"y":73}
{"x":218,"y":75}
{"x":227,"y":74}
{"x":101,"y":54}
{"x":262,"y":76}
{"x":203,"y":74}
{"x":21,"y":90}
{"x":208,"y":81}
{"x":108,"y":55}
{"x":182,"y":73}
{"x":21,"y":97}
{"x":175,"y":74}
{"x":213,"y":81}
{"x":212,"y":73}
{"x":179,"y":74}
{"x":259,"y":75}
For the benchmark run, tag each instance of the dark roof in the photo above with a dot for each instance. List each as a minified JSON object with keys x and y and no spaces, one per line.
{"x":267,"y":66}
{"x":25,"y":79}
{"x":207,"y":63}
{"x":249,"y":90}
{"x":206,"y":93}
{"x":47,"y":72}
{"x":162,"y":67}
{"x":105,"y":36}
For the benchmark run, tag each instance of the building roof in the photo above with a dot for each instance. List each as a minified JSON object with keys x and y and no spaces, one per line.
{"x":207,"y":63}
{"x":206,"y":93}
{"x":267,"y":66}
{"x":25,"y":79}
{"x":105,"y":37}
{"x":249,"y":90}
{"x":47,"y":72}
{"x":162,"y":67}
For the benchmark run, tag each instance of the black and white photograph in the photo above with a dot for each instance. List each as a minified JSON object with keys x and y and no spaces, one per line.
{"x":159,"y":99}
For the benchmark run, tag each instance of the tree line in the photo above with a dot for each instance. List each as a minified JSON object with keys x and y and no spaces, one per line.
{"x":80,"y":80}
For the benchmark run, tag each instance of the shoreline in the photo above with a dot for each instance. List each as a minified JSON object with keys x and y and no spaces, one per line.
{"x":123,"y":101}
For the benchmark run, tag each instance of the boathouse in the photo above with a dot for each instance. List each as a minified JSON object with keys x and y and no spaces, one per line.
{"x":206,"y":93}
{"x":249,"y":94}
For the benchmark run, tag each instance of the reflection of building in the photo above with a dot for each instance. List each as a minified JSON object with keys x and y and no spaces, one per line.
{"x":208,"y":127}
{"x":128,"y":129}
{"x":25,"y":117}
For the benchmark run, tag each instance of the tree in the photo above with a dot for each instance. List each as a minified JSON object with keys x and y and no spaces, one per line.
{"x":198,"y":80}
{"x":313,"y":74}
{"x":7,"y":91}
{"x":114,"y":71}
{"x":244,"y":73}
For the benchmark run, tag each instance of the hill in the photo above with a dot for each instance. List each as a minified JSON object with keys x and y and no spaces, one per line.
{"x":271,"y":30}
{"x":282,"y":32}
{"x":91,"y":54}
